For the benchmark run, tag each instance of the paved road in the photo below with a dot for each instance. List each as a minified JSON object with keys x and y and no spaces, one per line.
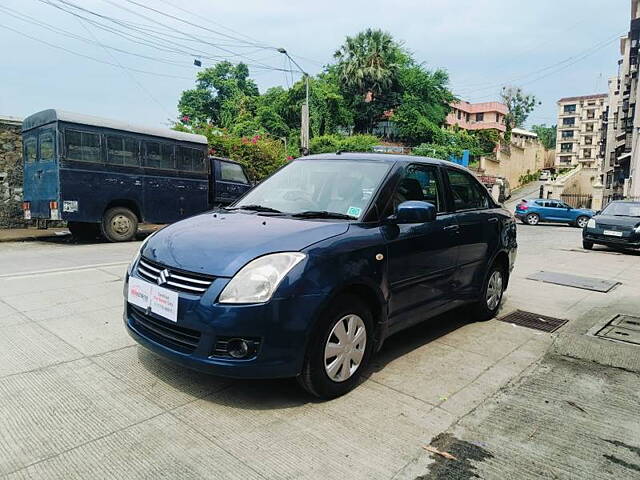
{"x":81,"y":400}
{"x":528,"y":191}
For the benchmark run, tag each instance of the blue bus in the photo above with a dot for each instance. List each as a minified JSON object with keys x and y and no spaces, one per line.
{"x":105,"y":176}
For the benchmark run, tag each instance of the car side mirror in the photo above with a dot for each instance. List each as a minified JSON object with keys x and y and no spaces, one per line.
{"x":414,"y":211}
{"x":598,"y":212}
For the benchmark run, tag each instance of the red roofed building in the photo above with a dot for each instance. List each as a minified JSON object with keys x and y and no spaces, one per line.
{"x":478,"y":116}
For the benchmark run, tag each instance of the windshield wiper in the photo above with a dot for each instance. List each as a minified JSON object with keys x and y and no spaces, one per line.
{"x":322,"y":214}
{"x":256,"y":208}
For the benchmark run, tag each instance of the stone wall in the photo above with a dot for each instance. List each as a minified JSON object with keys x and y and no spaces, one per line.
{"x":521,"y":157}
{"x":10,"y":173}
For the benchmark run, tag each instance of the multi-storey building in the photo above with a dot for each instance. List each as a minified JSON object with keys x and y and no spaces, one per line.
{"x":579,"y":130}
{"x":621,"y":152}
{"x":478,"y":116}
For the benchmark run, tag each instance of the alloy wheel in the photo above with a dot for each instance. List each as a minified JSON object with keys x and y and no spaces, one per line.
{"x":345,"y":347}
{"x":494,"y":290}
{"x":532,"y":219}
{"x":582,"y":222}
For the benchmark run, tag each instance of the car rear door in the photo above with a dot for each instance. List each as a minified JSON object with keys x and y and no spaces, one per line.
{"x":421,"y":257}
{"x":478,"y":219}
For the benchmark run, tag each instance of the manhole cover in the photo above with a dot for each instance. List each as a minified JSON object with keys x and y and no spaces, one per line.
{"x":568,"y":280}
{"x":625,"y":328}
{"x":534,"y":320}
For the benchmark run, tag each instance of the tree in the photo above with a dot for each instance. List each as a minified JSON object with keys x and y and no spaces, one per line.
{"x":367,"y":67}
{"x":519,"y":106}
{"x":424,"y":105}
{"x":546,"y":135}
{"x":222,"y":94}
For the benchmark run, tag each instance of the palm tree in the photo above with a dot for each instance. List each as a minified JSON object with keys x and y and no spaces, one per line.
{"x":368,"y":63}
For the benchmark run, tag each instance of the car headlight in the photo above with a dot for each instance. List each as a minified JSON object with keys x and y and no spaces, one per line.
{"x":637,"y":229}
{"x":591,"y":223}
{"x":258,"y":279}
{"x":136,"y":257}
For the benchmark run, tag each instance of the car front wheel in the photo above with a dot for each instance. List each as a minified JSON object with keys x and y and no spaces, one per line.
{"x":532,"y":219}
{"x":339,"y":350}
{"x":582,"y":221}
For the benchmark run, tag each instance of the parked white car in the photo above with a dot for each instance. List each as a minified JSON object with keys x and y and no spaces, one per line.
{"x":545,"y":175}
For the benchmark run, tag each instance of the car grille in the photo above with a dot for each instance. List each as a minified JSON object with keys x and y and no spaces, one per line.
{"x":178,"y":280}
{"x":615,"y":228}
{"x":169,"y":334}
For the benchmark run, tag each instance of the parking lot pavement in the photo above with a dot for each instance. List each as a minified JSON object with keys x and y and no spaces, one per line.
{"x":81,"y":400}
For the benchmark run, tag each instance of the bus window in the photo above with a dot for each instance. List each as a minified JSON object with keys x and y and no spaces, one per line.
{"x":47,"y":147}
{"x":122,"y":150}
{"x":232,"y":172}
{"x":83,"y":146}
{"x":166,"y":160}
{"x":153,"y":158}
{"x":191,"y":159}
{"x":30,"y":149}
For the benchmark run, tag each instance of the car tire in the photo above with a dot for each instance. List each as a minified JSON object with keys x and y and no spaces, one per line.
{"x":532,"y":219}
{"x":587,"y":245}
{"x":582,"y":221}
{"x":84,"y":230}
{"x":494,"y":285}
{"x":119,"y":224}
{"x":322,"y":372}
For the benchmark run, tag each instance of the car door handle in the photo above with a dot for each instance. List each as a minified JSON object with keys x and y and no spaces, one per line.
{"x":452,"y":228}
{"x":493,"y":220}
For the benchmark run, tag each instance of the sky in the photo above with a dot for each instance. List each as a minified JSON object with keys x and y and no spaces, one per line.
{"x":551,"y":48}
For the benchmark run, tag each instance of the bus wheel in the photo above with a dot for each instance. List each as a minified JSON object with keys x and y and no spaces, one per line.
{"x":84,"y":230}
{"x":119,"y":224}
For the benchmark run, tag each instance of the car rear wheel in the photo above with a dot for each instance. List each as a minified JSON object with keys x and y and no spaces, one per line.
{"x":532,"y":219}
{"x":339,"y":350}
{"x":492,"y":292}
{"x":119,"y":224}
{"x":582,"y":221}
{"x":587,"y":245}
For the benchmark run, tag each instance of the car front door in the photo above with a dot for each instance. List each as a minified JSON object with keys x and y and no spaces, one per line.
{"x":554,"y":211}
{"x":479,"y":222}
{"x":230,"y":181}
{"x":422,"y":257}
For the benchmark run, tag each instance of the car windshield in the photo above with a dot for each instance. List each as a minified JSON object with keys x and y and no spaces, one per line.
{"x":622,"y":209}
{"x":318,"y":188}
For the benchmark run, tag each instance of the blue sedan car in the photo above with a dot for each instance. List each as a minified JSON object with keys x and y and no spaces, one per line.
{"x":539,"y":210}
{"x":309,"y":272}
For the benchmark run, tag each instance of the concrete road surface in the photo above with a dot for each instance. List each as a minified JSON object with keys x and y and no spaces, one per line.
{"x":81,"y":400}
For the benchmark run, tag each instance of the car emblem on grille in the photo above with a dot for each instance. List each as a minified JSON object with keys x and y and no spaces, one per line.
{"x":163,"y":277}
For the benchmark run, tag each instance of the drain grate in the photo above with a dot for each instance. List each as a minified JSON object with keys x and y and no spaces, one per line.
{"x":533,"y":320}
{"x":625,"y":328}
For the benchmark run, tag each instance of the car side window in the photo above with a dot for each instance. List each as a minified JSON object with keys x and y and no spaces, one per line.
{"x":419,"y":182}
{"x":232,"y":172}
{"x":467,"y":193}
{"x":552,"y":204}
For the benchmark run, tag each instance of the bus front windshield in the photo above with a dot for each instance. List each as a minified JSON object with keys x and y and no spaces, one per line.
{"x":341,"y":187}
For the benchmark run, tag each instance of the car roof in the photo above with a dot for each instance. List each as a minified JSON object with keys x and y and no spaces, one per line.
{"x":380,"y":157}
{"x":635,"y":202}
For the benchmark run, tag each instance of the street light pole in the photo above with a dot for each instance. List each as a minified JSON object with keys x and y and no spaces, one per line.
{"x":304,"y":121}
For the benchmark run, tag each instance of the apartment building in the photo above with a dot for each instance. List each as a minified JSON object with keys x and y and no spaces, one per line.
{"x":621,"y":153}
{"x":478,"y":116}
{"x":580,"y":127}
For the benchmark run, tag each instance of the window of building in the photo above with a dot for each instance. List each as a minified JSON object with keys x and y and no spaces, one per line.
{"x":569,"y":108}
{"x":30,"y":149}
{"x":569,"y":121}
{"x":232,"y":172}
{"x":588,"y":127}
{"x":586,"y":153}
{"x":122,"y":150}
{"x":566,"y":147}
{"x":567,"y":134}
{"x":459,"y":114}
{"x":467,"y":192}
{"x":82,"y":146}
{"x":609,"y":179}
{"x":47,"y":146}
{"x":479,"y":117}
{"x":591,"y":114}
{"x":588,"y":140}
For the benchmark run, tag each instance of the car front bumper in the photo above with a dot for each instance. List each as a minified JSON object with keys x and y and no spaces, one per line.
{"x":278,"y":328}
{"x":628,"y":240}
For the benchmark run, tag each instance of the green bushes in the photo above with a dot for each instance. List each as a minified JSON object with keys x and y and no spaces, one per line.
{"x":528,"y":177}
{"x":333,"y":143}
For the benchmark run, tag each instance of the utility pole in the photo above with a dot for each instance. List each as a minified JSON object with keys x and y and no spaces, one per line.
{"x":304,"y":120}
